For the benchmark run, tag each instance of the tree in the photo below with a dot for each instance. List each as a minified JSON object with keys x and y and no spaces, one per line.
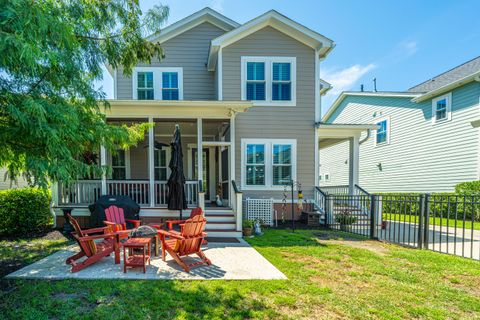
{"x":51,"y":52}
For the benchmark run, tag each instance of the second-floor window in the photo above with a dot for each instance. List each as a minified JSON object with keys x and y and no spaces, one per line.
{"x":269,"y":80}
{"x":145,"y":85}
{"x":442,"y":108}
{"x":158,"y":83}
{"x":170,"y":86}
{"x":382,"y":134}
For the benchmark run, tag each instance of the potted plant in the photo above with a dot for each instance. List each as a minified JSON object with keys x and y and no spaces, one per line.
{"x":345,"y":219}
{"x":247,"y":227}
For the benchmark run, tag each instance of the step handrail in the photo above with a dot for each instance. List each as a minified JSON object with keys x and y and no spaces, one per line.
{"x":362,"y":190}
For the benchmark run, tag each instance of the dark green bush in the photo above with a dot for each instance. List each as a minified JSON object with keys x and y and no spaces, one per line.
{"x":24,"y":211}
{"x":469,"y":187}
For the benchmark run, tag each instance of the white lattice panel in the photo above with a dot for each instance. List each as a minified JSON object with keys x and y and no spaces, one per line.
{"x":260,"y":209}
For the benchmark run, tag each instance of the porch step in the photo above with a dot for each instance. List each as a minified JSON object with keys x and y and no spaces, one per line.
{"x":230,"y":218}
{"x":223,"y":233}
{"x":218,"y":212}
{"x":221,"y":225}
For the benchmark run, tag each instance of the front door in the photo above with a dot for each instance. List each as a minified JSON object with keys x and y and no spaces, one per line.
{"x":206,"y":170}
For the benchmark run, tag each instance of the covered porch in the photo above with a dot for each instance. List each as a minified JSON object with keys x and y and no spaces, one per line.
{"x":142,"y":171}
{"x":333,"y":134}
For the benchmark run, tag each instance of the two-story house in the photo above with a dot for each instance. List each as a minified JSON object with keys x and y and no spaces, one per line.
{"x":246,"y":95}
{"x":428,"y":137}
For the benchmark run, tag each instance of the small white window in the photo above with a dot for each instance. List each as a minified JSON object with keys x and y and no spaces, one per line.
{"x":154,"y":83}
{"x":120,"y":163}
{"x":382,"y":134}
{"x":442,"y":108}
{"x":161,"y":164}
{"x":268,"y":163}
{"x":269,"y":81}
{"x":327,"y":177}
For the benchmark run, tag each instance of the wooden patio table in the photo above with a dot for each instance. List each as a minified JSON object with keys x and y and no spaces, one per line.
{"x":136,"y":260}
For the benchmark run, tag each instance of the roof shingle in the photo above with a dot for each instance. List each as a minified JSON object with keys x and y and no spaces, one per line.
{"x":457,"y":73}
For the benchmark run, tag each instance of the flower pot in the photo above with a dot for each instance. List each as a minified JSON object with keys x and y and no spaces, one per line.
{"x":247,"y":232}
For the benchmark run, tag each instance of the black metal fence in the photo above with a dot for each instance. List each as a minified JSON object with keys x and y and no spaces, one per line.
{"x":444,"y":223}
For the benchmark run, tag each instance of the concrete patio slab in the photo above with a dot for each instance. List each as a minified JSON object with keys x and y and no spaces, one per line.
{"x":230,"y":261}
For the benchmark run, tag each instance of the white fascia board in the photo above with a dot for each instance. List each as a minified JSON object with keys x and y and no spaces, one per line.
{"x":473,"y":77}
{"x":193,"y":20}
{"x":278,"y":21}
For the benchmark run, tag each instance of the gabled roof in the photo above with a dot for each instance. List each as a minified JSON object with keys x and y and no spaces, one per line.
{"x":278,"y":21}
{"x":343,"y":95}
{"x":464,"y":70}
{"x":205,"y":15}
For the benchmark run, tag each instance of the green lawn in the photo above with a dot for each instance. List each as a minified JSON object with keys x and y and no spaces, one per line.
{"x":329,"y":278}
{"x":433,"y":221}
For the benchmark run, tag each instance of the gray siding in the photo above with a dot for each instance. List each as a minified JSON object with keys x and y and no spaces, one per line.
{"x":279,"y":122}
{"x":9,"y":184}
{"x":190,"y":51}
{"x":421,"y":157}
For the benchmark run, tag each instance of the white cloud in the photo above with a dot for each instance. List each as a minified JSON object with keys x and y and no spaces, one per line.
{"x":217,"y":5}
{"x":408,"y":47}
{"x":345,"y":79}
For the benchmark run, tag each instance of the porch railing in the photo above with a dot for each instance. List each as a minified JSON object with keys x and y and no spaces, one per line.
{"x":81,"y":193}
{"x":161,"y":193}
{"x":85,"y":192}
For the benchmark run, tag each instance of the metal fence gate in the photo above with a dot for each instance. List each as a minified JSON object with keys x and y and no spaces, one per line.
{"x":443,"y":223}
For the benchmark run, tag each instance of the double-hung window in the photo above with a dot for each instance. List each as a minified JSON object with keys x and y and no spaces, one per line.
{"x":161,"y":165}
{"x":170,"y":86}
{"x":255,"y":164}
{"x":442,"y":108}
{"x":281,"y":81}
{"x":145,"y":85}
{"x":256,"y":81}
{"x":158,"y":83}
{"x":269,"y":80}
{"x":120,"y":162}
{"x":382,"y":134}
{"x":268,"y":163}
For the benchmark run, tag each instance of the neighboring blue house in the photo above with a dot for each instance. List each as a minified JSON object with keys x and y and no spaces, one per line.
{"x":428,"y":137}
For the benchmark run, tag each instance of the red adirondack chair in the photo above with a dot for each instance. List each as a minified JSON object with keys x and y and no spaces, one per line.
{"x":92,"y":250}
{"x":189,"y":241}
{"x":193,"y":213}
{"x":116,"y":218}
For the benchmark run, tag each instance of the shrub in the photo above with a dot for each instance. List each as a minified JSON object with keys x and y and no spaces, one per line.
{"x":345,"y":218}
{"x":247,"y":224}
{"x":469,"y":187}
{"x":23,"y":211}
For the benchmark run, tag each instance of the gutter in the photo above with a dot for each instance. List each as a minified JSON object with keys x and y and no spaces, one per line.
{"x":369,"y":133}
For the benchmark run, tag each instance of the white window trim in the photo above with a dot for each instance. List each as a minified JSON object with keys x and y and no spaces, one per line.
{"x":448,"y":97}
{"x":268,"y":162}
{"x":157,"y":80}
{"x":268,"y":79}
{"x":325,"y":177}
{"x":167,"y":161}
{"x":387,"y":142}
{"x":127,"y":164}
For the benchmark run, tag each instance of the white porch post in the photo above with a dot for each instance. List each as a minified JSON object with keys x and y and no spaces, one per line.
{"x":103,"y":163}
{"x":151,"y":162}
{"x":353,"y":163}
{"x":201,"y":194}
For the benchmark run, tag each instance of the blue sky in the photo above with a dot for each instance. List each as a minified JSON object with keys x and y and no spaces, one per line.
{"x":401,"y":43}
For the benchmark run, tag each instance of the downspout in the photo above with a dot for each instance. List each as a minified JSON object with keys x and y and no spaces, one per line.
{"x":369,"y":132}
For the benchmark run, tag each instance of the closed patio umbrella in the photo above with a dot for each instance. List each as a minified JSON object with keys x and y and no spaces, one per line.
{"x":176,"y":181}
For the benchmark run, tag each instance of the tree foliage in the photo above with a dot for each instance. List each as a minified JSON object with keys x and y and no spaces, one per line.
{"x":51,"y":53}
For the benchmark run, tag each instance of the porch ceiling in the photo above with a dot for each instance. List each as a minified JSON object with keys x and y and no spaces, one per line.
{"x":181,"y":109}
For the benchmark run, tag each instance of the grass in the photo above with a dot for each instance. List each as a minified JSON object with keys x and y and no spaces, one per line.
{"x":437,"y":221}
{"x":330,"y":277}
